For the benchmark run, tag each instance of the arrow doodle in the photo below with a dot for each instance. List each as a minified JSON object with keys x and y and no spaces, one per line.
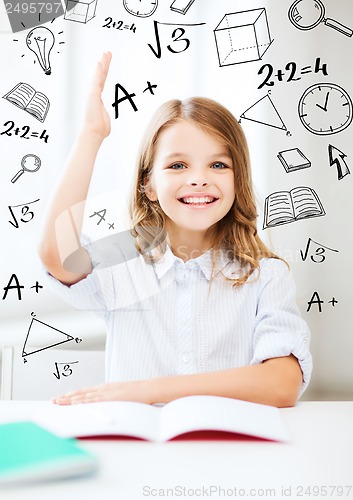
{"x":338,"y":157}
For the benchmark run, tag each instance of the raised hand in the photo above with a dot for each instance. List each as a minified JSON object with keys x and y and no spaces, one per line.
{"x":97,"y":119}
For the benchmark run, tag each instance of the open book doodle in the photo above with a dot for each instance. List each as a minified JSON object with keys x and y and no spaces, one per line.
{"x":25,"y":97}
{"x":154,"y":423}
{"x":299,"y":203}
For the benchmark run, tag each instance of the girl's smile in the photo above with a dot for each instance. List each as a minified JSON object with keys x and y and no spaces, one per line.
{"x":202,"y":200}
{"x":192,"y":177}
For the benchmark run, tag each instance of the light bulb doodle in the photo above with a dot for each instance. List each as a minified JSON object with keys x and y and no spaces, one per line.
{"x":29,"y":163}
{"x":40,"y":41}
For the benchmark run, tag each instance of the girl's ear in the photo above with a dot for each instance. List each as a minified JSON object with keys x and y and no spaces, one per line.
{"x":150,"y":193}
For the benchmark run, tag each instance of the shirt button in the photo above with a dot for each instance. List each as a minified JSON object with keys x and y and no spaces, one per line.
{"x":186,"y":359}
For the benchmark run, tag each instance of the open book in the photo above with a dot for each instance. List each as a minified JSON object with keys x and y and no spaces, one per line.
{"x":155,"y":423}
{"x":288,"y":206}
{"x":25,"y":97}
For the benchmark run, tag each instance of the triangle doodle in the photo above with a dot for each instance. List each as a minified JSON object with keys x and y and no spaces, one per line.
{"x":37,"y":331}
{"x":264,"y":111}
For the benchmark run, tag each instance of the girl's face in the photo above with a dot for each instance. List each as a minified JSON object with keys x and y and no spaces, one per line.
{"x":192,"y":177}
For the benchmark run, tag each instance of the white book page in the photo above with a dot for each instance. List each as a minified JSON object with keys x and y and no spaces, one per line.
{"x":279,"y":208}
{"x":98,"y":419}
{"x":305,"y":202}
{"x":225,"y":414}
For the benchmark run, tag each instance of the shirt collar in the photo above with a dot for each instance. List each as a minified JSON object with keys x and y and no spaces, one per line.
{"x":230,"y":268}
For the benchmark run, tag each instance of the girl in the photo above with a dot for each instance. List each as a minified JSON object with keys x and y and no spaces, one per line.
{"x":194,"y":301}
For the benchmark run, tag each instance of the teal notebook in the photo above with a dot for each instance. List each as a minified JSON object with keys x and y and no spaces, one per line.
{"x":28,"y":452}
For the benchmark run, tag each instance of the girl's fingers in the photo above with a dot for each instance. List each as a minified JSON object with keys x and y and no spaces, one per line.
{"x":101,"y":72}
{"x":81,"y":395}
{"x":90,"y":397}
{"x":105,"y":64}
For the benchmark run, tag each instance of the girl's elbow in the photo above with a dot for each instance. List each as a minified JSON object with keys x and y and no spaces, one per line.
{"x":287,"y":399}
{"x":288,"y":392}
{"x":46,"y":254}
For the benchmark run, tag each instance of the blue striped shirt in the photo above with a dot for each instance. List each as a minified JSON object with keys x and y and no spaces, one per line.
{"x":171,"y":318}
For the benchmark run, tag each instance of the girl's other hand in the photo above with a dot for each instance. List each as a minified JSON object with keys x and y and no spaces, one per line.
{"x":97,"y":120}
{"x":138,"y":391}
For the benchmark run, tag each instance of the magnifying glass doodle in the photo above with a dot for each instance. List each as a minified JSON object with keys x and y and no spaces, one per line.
{"x":307,"y":14}
{"x":29,"y":163}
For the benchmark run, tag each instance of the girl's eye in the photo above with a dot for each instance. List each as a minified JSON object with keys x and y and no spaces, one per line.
{"x":177,"y":166}
{"x":218,"y":165}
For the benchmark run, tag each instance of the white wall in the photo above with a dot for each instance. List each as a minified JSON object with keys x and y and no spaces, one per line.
{"x":195,"y":71}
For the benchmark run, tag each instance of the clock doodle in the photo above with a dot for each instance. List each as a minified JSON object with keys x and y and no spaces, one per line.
{"x":325,"y":109}
{"x":141,"y":8}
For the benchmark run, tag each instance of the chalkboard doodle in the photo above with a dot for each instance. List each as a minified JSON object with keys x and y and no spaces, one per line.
{"x":37,"y":331}
{"x":291,"y":72}
{"x":66,"y":371}
{"x":325,"y":109}
{"x":23,"y":132}
{"x":316,"y":250}
{"x":29,"y":163}
{"x":337,"y":157}
{"x":14,"y":284}
{"x":127,"y":96}
{"x":80,"y":11}
{"x":26,"y":213}
{"x":101,"y":216}
{"x":41,"y":40}
{"x":25,"y":97}
{"x":118,"y":25}
{"x":261,"y":108}
{"x":141,"y":8}
{"x":307,"y":14}
{"x":179,"y":42}
{"x":283,"y":207}
{"x":242,"y":37}
{"x":293,"y":159}
{"x":316,"y":299}
{"x":181,"y":6}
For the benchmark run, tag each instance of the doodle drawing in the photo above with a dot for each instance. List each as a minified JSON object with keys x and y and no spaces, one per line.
{"x":80,"y":11}
{"x":140,"y":8}
{"x":293,"y":159}
{"x":242,"y":37}
{"x":283,"y":207}
{"x":264,"y":111}
{"x":40,"y":41}
{"x":27,"y":213}
{"x":66,"y":371}
{"x":307,"y":14}
{"x":37,"y":331}
{"x":325,"y":109}
{"x":25,"y":97}
{"x":181,"y":6}
{"x":317,"y":252}
{"x":29,"y":163}
{"x":337,"y":157}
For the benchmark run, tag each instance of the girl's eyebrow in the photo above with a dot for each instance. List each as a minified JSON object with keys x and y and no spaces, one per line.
{"x":184,"y":155}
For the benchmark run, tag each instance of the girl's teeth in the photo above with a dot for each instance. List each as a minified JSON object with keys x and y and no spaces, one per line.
{"x":202,"y":199}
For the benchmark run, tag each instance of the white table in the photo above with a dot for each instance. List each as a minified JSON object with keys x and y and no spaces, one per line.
{"x":320,"y":455}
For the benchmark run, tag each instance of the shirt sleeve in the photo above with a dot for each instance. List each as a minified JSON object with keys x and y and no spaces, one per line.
{"x":279,"y":328}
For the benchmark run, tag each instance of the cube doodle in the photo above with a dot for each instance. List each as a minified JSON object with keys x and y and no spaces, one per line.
{"x":80,"y":11}
{"x":242,"y":37}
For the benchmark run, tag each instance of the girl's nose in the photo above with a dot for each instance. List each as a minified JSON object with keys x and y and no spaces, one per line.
{"x":200,"y":182}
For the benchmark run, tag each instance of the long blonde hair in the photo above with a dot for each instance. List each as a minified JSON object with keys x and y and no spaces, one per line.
{"x":236,"y":232}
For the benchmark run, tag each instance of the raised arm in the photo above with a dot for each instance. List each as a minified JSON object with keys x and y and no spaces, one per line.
{"x":60,"y":239}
